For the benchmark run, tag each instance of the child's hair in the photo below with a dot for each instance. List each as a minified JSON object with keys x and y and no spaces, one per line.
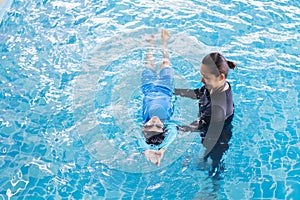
{"x":218,"y":64}
{"x":153,"y":137}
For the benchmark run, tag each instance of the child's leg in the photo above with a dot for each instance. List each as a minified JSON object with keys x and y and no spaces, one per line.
{"x":165,"y":60}
{"x":166,"y":77}
{"x":149,"y":75}
{"x":150,"y":57}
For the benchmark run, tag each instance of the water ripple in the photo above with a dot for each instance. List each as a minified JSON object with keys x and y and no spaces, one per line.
{"x":43,"y":45}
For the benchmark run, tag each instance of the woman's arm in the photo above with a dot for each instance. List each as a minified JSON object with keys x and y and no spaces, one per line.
{"x":215,"y":128}
{"x":190,"y":93}
{"x":193,"y":127}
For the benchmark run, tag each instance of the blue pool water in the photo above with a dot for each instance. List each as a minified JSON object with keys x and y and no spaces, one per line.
{"x":70,"y":98}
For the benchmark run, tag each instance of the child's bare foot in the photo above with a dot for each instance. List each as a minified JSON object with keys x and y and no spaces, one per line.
{"x":165,"y":35}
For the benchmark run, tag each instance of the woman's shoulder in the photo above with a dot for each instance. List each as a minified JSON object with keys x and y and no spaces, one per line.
{"x":228,"y":89}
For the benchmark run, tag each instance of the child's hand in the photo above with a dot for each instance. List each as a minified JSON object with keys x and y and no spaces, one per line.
{"x":154,"y":156}
{"x":160,"y":155}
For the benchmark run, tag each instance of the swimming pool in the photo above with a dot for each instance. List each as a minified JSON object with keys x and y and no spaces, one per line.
{"x":70,"y":78}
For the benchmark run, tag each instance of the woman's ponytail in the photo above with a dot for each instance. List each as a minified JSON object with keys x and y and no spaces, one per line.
{"x":231,"y":64}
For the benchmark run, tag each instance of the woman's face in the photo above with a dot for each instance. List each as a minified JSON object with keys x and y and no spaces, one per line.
{"x":210,"y":81}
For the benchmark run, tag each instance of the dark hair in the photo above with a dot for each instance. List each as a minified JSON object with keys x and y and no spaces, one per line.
{"x":218,"y":64}
{"x":153,"y":137}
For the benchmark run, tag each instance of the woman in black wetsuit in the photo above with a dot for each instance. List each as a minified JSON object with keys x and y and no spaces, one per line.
{"x":216,"y":108}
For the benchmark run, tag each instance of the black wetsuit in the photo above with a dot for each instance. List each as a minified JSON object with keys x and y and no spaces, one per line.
{"x":223,"y":100}
{"x":214,"y":123}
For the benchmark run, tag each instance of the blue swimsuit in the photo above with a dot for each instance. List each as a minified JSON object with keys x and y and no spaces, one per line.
{"x":158,"y":93}
{"x":157,"y":101}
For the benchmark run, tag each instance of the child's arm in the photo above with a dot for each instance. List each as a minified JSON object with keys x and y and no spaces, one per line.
{"x":170,"y":137}
{"x":142,"y":146}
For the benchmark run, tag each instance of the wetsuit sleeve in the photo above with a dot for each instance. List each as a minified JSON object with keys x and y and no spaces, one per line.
{"x":185,"y":93}
{"x":142,"y":145}
{"x":218,"y":114}
{"x":170,"y":137}
{"x":215,"y":127}
{"x":193,"y":127}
